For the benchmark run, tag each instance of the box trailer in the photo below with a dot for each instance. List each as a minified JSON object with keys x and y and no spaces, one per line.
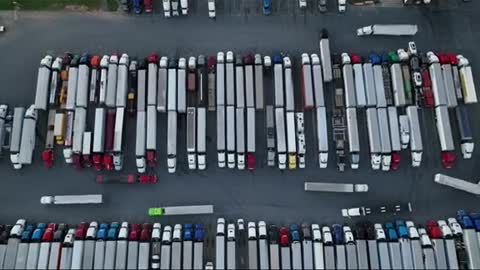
{"x":240,"y":137}
{"x":191,"y":138}
{"x":220,"y":79}
{"x":249,"y":82}
{"x":221,"y":136}
{"x":140,"y":142}
{"x":379,"y":86}
{"x":291,"y":140}
{"x":94,"y":85}
{"x":448,"y":81}
{"x":230,"y":79}
{"x":438,"y":86}
{"x":202,"y":138}
{"x":172,"y":86}
{"x":388,"y":30}
{"x":87,"y":149}
{"x":270,"y":133}
{"x":383,"y":124}
{"x":325,"y":56}
{"x":307,"y":83}
{"x":72,"y":83}
{"x":280,"y":138}
{"x":251,"y":157}
{"x":118,"y":138}
{"x":83,"y":82}
{"x":398,"y":84}
{"x":353,"y":138}
{"x":467,"y":143}
{"x":239,"y":83}
{"x":102,"y":95}
{"x":151,"y":131}
{"x":230,"y":124}
{"x":317,"y":81}
{"x":152,"y":80}
{"x":122,"y":246}
{"x":289,"y":91}
{"x":122,"y":81}
{"x":43,"y":83}
{"x":211,"y":83}
{"x":111,"y":94}
{"x":445,"y":136}
{"x":182,"y":86}
{"x":162,"y":85}
{"x":416,"y":145}
{"x":466,"y":78}
{"x":27,"y":144}
{"x":99,"y":138}
{"x":322,"y":136}
{"x":359,"y":81}
{"x":79,"y":125}
{"x":395,"y":137}
{"x":374,"y":138}
{"x":16,"y":136}
{"x":171,"y":141}
{"x":279,"y":91}
{"x":55,"y":81}
{"x":370,"y":92}
{"x":348,"y":82}
{"x":259,"y":92}
{"x":142,"y":87}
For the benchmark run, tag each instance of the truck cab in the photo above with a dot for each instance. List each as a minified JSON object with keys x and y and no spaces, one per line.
{"x":175,"y":5}
{"x":166,"y":8}
{"x":211,"y":9}
{"x":184,"y":6}
{"x":267,"y":7}
{"x":342,"y":6}
{"x":404,"y":131}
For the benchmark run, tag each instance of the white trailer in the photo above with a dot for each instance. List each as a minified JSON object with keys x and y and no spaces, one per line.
{"x":27,"y":145}
{"x":240,"y":137}
{"x":318,"y":258}
{"x":122,"y":81}
{"x":353,"y":138}
{"x":79,"y":125}
{"x":43,"y":83}
{"x":140,"y":142}
{"x":359,"y":81}
{"x":291,"y":140}
{"x":152,"y":80}
{"x":162,"y":84}
{"x":172,"y":141}
{"x":172,"y":86}
{"x":325,"y":56}
{"x":297,"y":255}
{"x":388,"y":30}
{"x":416,"y":145}
{"x":249,"y":84}
{"x":89,"y":246}
{"x":370,"y":92}
{"x":230,"y":122}
{"x":289,"y":94}
{"x":383,"y":124}
{"x":72,"y":87}
{"x":348,"y":81}
{"x":307,"y":83}
{"x":398,"y":86}
{"x":270,"y":132}
{"x":102,"y":95}
{"x":122,"y":245}
{"x":230,"y":80}
{"x":259,"y":93}
{"x":99,"y":134}
{"x":94,"y":79}
{"x":220,"y":245}
{"x":176,"y":261}
{"x":322,"y":136}
{"x":417,"y":253}
{"x":467,"y":143}
{"x":67,"y":150}
{"x":55,"y":80}
{"x":394,"y":129}
{"x":191,"y":138}
{"x":445,"y":136}
{"x":221,"y":140}
{"x":374,"y":138}
{"x":251,"y":134}
{"x":438,"y":86}
{"x":448,"y":82}
{"x":239,"y":84}
{"x":278,"y":91}
{"x":182,"y":86}
{"x":280,"y":138}
{"x":317,"y":81}
{"x":220,"y":79}
{"x":403,"y":121}
{"x":335,"y":187}
{"x":379,"y":86}
{"x":466,"y":77}
{"x":67,"y":251}
{"x":16,"y":136}
{"x":151,"y":145}
{"x":118,"y":138}
{"x":83,"y":84}
{"x":111,"y":94}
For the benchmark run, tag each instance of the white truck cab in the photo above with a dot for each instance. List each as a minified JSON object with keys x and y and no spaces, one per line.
{"x":403,"y":55}
{"x":177,"y":233}
{"x":123,"y":232}
{"x":231,"y":232}
{"x":18,"y":228}
{"x":379,"y":232}
{"x":412,"y":230}
{"x":302,"y":4}
{"x":211,"y":9}
{"x":346,"y":59}
{"x":166,"y":8}
{"x":221,"y":226}
{"x":404,"y":131}
{"x":156,"y":231}
{"x":327,"y":235}
{"x":184,"y":6}
{"x":175,"y":11}
{"x":167,"y":235}
{"x":92,"y":230}
{"x":267,"y":61}
{"x":455,"y":226}
{"x":317,"y":234}
{"x":446,"y":231}
{"x":252,"y":231}
{"x":412,"y":48}
{"x":424,"y":238}
{"x":342,"y":6}
{"x":262,"y":230}
{"x":349,"y":239}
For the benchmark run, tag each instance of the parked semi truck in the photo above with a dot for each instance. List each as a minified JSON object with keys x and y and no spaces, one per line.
{"x":379,"y":83}
{"x":307,"y":83}
{"x":79,"y":126}
{"x":467,"y":143}
{"x":394,"y":137}
{"x":118,"y":138}
{"x":55,"y":82}
{"x":388,"y":30}
{"x":211,"y":82}
{"x":466,"y":78}
{"x":438,"y":86}
{"x":259,"y":92}
{"x":182,"y":86}
{"x":251,"y":157}
{"x":383,"y":124}
{"x":152,"y":80}
{"x":369,"y":79}
{"x":448,"y":80}
{"x":353,"y":138}
{"x":457,"y":183}
{"x":398,"y":84}
{"x":361,"y":99}
{"x":230,"y":136}
{"x":27,"y":142}
{"x":291,"y":140}
{"x":172,"y":141}
{"x":191,"y":138}
{"x":83,"y":81}
{"x":317,"y":81}
{"x":47,"y":154}
{"x":72,"y":199}
{"x":99,"y":138}
{"x":348,"y":81}
{"x":122,"y":81}
{"x":202,"y":138}
{"x":109,"y":139}
{"x":151,"y":142}
{"x":67,"y":150}
{"x":270,"y":133}
{"x":162,"y":84}
{"x":325,"y":56}
{"x":279,"y":91}
{"x":43,"y":83}
{"x":94,"y":85}
{"x":416,"y":145}
{"x":102,"y":95}
{"x":240,"y":137}
{"x":140,"y":142}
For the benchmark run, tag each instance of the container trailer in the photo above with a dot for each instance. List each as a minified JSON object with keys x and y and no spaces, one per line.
{"x":122,"y":81}
{"x":122,"y":247}
{"x":240,"y":137}
{"x":249,"y":81}
{"x":55,"y":81}
{"x":361,"y":98}
{"x":445,"y":137}
{"x":140,"y":142}
{"x":83,"y":81}
{"x":370,"y":92}
{"x":230,"y":124}
{"x":89,"y":246}
{"x":466,"y":78}
{"x":198,"y":247}
{"x":118,"y":138}
{"x":187,"y":250}
{"x":353,"y":138}
{"x":109,"y":139}
{"x":416,"y":145}
{"x":99,"y":138}
{"x":406,"y":74}
{"x":220,"y":79}
{"x":374,"y":138}
{"x":221,"y":140}
{"x":162,"y":84}
{"x":438,"y":86}
{"x":230,"y":79}
{"x":239,"y":83}
{"x":348,"y":81}
{"x":385,"y":140}
{"x":279,"y":91}
{"x":251,"y":156}
{"x":280,"y":138}
{"x":307,"y":83}
{"x":172,"y":86}
{"x":27,"y":142}
{"x":43,"y":83}
{"x":378,"y":81}
{"x":388,"y":30}
{"x":289,"y":91}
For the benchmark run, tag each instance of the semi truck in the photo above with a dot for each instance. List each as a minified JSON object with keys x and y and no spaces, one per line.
{"x":55,"y":81}
{"x":289,"y":91}
{"x":361,"y":98}
{"x":27,"y":142}
{"x":109,"y":139}
{"x":259,"y":92}
{"x":370,"y":92}
{"x":378,"y":81}
{"x":383,"y":124}
{"x":362,"y":248}
{"x":99,"y":138}
{"x":152,"y":80}
{"x":448,"y":80}
{"x":240,"y":137}
{"x":280,"y":138}
{"x":230,"y":125}
{"x":279,"y":91}
{"x":140,"y":142}
{"x":122,"y":81}
{"x":43,"y":83}
{"x":450,"y":250}
{"x":301,"y":143}
{"x":335,"y":187}
{"x":162,"y":84}
{"x":181,"y":86}
{"x":221,"y":136}
{"x":172,"y":141}
{"x":249,"y":81}
{"x":211,"y":82}
{"x":395,"y":138}
{"x":111,"y":94}
{"x":307,"y":83}
{"x":83,"y":82}
{"x":467,"y":143}
{"x":102,"y":95}
{"x":134,"y":237}
{"x":416,"y":145}
{"x":156,"y":247}
{"x":202,"y":138}
{"x":374,"y":138}
{"x":325,"y":56}
{"x":466,"y":78}
{"x":339,"y":137}
{"x":270,"y":133}
{"x":94,"y":86}
{"x":72,"y":199}
{"x":322,"y":136}
{"x":251,"y":157}
{"x":151,"y":143}
{"x":470,"y":239}
{"x":220,"y":244}
{"x":457,"y":183}
{"x":438,"y":86}
{"x":231,"y":247}
{"x":353,"y":138}
{"x":388,"y":30}
{"x":445,"y":137}
{"x":317,"y":81}
{"x":79,"y":125}
{"x":191,"y":138}
{"x":118,"y":138}
{"x":438,"y":243}
{"x":348,"y":81}
{"x":416,"y":246}
{"x":291,"y":140}
{"x":67,"y":150}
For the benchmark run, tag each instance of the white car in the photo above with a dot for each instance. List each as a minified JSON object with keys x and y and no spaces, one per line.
{"x":231,"y":232}
{"x":221,"y":226}
{"x":317,"y":234}
{"x":167,"y":235}
{"x":349,"y":239}
{"x":177,"y":233}
{"x":92,"y":230}
{"x":252,"y":231}
{"x":262,"y":230}
{"x":17,"y":230}
{"x":379,"y":232}
{"x":327,"y":235}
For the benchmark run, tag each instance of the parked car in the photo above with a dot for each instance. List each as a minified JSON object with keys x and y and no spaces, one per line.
{"x":148,"y":6}
{"x":267,"y":7}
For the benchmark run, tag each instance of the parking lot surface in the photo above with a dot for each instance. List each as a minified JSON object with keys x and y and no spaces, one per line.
{"x":265,"y":193}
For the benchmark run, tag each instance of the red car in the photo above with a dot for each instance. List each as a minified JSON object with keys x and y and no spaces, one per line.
{"x":448,"y":159}
{"x":434,"y":230}
{"x":135,"y":232}
{"x":284,"y":237}
{"x":427,"y":89}
{"x":395,"y":164}
{"x":148,"y":5}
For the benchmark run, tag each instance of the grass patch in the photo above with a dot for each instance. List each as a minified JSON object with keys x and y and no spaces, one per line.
{"x":49,"y":4}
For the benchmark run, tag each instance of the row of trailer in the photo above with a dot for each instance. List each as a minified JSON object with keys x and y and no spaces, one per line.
{"x":86,"y":99}
{"x":443,"y":244}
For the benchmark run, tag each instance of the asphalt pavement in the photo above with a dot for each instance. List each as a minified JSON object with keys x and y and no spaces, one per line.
{"x":265,"y":193}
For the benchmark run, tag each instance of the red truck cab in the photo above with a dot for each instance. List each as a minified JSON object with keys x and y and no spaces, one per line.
{"x":77,"y":161}
{"x":427,"y":89}
{"x":395,"y":162}
{"x":47,"y":157}
{"x":81,"y":231}
{"x":153,"y":59}
{"x":148,"y":6}
{"x":284,"y":237}
{"x":48,"y":235}
{"x":434,"y":230}
{"x":212,"y":63}
{"x":251,"y":161}
{"x":98,"y":162}
{"x":356,"y":59}
{"x":448,"y":159}
{"x":146,"y":233}
{"x":135,"y":232}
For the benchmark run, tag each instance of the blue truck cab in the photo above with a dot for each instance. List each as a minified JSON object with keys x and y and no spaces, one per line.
{"x":199,"y":233}
{"x":402,"y":229}
{"x":137,"y":6}
{"x":267,"y":7}
{"x":391,"y":232}
{"x":278,"y":59}
{"x":27,"y":234}
{"x":476,"y":221}
{"x":295,"y":233}
{"x":113,"y":231}
{"x":386,"y":59}
{"x":464,"y":219}
{"x":38,"y":233}
{"x":188,"y":232}
{"x":102,"y":232}
{"x":375,"y":59}
{"x":338,"y":236}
